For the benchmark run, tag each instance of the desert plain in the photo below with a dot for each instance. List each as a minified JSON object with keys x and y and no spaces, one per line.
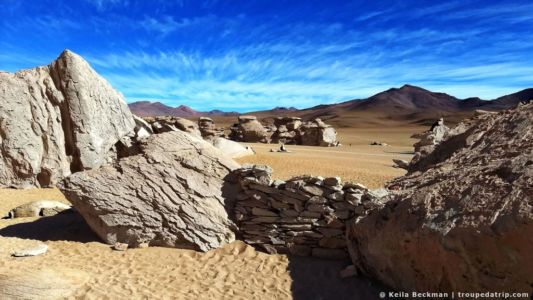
{"x":78,"y":261}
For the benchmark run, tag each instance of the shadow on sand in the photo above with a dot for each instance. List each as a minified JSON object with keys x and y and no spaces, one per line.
{"x":318,"y":279}
{"x":65,"y":226}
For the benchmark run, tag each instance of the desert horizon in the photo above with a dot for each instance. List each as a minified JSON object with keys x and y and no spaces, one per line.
{"x":265,"y":150}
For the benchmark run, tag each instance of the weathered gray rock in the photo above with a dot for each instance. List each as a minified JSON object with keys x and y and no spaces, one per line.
{"x":400,"y":163}
{"x":208,"y":129}
{"x":162,"y":124}
{"x":249,"y":129}
{"x":57,"y":119}
{"x":173,"y":193}
{"x":429,"y":140}
{"x":231,"y":148}
{"x":462,"y":217}
{"x":37,"y":208}
{"x":33,"y":251}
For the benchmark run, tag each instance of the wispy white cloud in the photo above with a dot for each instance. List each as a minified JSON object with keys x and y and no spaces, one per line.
{"x":105,"y":4}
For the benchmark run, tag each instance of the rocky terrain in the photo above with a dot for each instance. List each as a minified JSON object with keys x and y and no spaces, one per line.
{"x":285,"y":130}
{"x":459,"y":218}
{"x":303,"y":216}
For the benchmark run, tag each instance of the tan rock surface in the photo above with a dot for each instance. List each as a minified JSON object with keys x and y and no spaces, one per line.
{"x":462,"y":216}
{"x":172,"y":194}
{"x":57,"y":119}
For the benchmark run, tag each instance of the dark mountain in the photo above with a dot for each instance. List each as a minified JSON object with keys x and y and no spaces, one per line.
{"x":148,"y":109}
{"x":512,"y":99}
{"x":408,"y":98}
{"x":405,"y":104}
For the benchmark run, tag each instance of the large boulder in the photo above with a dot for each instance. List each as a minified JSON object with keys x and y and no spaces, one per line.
{"x":167,"y":123}
{"x":249,"y":129}
{"x":429,"y":140}
{"x":317,"y":133}
{"x":173,"y":193}
{"x":208,"y":129}
{"x":462,"y":218}
{"x":57,"y":119}
{"x":231,"y":148}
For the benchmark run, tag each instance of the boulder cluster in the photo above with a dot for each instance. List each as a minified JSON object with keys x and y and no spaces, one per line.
{"x":250,"y":130}
{"x":285,"y":130}
{"x":205,"y":129}
{"x":303,"y":216}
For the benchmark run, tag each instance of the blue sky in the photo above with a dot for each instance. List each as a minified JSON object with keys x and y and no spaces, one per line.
{"x":247,"y":55}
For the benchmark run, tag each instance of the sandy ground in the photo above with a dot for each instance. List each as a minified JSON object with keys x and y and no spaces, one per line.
{"x":79,"y":265}
{"x":355,"y":160}
{"x":88,"y":269}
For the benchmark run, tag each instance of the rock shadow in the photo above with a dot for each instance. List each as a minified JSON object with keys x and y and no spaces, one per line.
{"x":318,"y":279}
{"x":65,"y":226}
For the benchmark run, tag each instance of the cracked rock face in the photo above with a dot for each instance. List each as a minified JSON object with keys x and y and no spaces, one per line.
{"x":462,"y":218}
{"x":173,"y":194}
{"x":55,"y":120}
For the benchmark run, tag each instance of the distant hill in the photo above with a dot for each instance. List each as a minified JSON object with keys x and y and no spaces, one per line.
{"x":407,"y":104}
{"x":148,"y":109}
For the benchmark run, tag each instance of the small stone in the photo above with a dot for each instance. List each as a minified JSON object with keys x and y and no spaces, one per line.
{"x":310,"y":214}
{"x":313,"y":190}
{"x":355,"y":186}
{"x":320,"y":208}
{"x":330,"y":232}
{"x":332,"y":181}
{"x":120,"y":246}
{"x":289,"y":213}
{"x":317,"y":200}
{"x":349,"y":271}
{"x":354,"y":199}
{"x":33,"y":251}
{"x":336,"y":196}
{"x":263,"y":212}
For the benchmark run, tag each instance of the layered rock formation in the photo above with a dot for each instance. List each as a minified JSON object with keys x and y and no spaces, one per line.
{"x":429,"y":140}
{"x":318,"y":133}
{"x":249,"y":129}
{"x":461,"y":217}
{"x":57,"y":119}
{"x":304,"y":216}
{"x":208,"y":129}
{"x":173,"y":194}
{"x":286,"y":130}
{"x":166,"y":124}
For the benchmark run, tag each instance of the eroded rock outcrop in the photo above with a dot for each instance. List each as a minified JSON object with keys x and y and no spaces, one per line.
{"x":291,"y":130}
{"x":167,"y":123}
{"x":57,"y":119}
{"x":462,"y":217}
{"x":173,"y":193}
{"x":208,"y":129}
{"x":429,"y":140}
{"x":249,"y":129}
